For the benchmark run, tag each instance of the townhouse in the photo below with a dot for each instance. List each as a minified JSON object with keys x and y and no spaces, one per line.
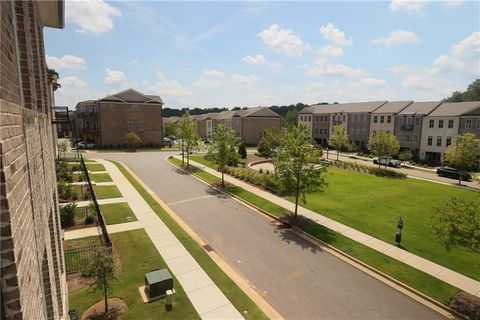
{"x":32,"y":278}
{"x":444,"y":124}
{"x":408,"y":125}
{"x":205,"y":124}
{"x":106,"y":121}
{"x":383,"y":119}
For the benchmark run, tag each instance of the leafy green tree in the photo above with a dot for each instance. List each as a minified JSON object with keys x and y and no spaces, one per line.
{"x":339,"y":138}
{"x":297,"y":165}
{"x":463,"y":154}
{"x":291,"y":118}
{"x":171,"y":129}
{"x":471,"y":94}
{"x":189,"y":136}
{"x":222,"y":149}
{"x":269,"y":143}
{"x":102,"y":271}
{"x":242,"y":151}
{"x":67,"y":214}
{"x":63,"y":147}
{"x":133,"y":140}
{"x":384,"y":145}
{"x":457,"y":223}
{"x":405,"y":155}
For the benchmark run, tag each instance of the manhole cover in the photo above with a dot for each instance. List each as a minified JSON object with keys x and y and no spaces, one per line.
{"x":208,"y":248}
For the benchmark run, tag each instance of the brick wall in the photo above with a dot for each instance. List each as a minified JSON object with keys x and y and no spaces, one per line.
{"x":32,"y":270}
{"x":253,"y":128}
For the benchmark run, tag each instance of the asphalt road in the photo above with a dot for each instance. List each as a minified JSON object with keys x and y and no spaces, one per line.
{"x":299,"y":280}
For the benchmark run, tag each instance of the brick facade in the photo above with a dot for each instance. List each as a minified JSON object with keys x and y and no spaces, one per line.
{"x":33,"y":282}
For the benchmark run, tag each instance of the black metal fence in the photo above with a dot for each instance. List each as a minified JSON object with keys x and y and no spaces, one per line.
{"x":78,"y":259}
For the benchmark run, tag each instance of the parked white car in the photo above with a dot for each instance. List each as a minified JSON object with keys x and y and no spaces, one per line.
{"x":85,"y":145}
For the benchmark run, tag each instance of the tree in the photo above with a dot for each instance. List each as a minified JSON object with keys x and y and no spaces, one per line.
{"x":63,"y":147}
{"x":463,"y":154}
{"x":291,"y":118}
{"x":339,"y":138}
{"x":457,"y":223}
{"x":189,"y":136}
{"x":222,"y":150}
{"x":405,"y":155}
{"x":471,"y":94}
{"x":297,"y":165}
{"x":133,"y":140}
{"x":171,"y":129}
{"x":102,"y":270}
{"x":269,"y":143}
{"x":384,"y":145}
{"x":242,"y":151}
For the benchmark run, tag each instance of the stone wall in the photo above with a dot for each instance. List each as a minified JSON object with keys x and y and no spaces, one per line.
{"x":32,"y":270}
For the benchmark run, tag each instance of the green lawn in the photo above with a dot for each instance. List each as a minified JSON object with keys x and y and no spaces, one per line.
{"x":117,"y":213}
{"x":107,"y":192}
{"x":236,"y":296}
{"x":419,"y":280}
{"x":100,"y":177}
{"x":373,"y":204}
{"x":201,"y":159}
{"x":137,"y":256}
{"x":95,"y":167}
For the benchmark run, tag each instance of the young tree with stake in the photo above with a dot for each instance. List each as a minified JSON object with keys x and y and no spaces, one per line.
{"x":189,"y":136}
{"x":384,"y":145}
{"x":223,"y":148}
{"x":102,"y":270}
{"x":464,"y":154}
{"x":339,"y":138}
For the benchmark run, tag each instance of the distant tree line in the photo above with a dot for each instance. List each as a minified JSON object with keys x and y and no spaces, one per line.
{"x":169,"y":112}
{"x":471,"y":94}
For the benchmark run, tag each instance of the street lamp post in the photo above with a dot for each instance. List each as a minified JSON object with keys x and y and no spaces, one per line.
{"x":398,"y":235}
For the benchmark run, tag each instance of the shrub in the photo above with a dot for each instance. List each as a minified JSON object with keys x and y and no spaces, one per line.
{"x":242,"y":151}
{"x":67,"y":214}
{"x":261,"y":170}
{"x":81,"y":177}
{"x":381,"y":172}
{"x":405,"y":155}
{"x":89,"y":219}
{"x":87,"y":195}
{"x":66,"y":191}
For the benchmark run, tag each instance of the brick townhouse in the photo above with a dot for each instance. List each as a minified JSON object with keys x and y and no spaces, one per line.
{"x":33,"y":280}
{"x":106,"y":121}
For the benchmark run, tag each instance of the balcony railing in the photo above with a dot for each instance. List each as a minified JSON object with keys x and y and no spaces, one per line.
{"x":407,"y":127}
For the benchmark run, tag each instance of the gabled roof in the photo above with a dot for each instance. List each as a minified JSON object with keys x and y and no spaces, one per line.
{"x":455,"y":109}
{"x":131,"y":95}
{"x":354,"y":107}
{"x":171,"y":119}
{"x":420,"y":108}
{"x":393,"y":107}
{"x":259,"y":112}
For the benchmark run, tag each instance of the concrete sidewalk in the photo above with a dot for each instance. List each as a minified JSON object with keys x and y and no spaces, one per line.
{"x":449,"y":276}
{"x":205,"y":296}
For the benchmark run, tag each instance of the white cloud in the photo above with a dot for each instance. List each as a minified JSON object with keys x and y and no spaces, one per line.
{"x":275,"y":66}
{"x":397,"y":37}
{"x":462,"y":57}
{"x":172,"y":88}
{"x":73,"y":90}
{"x":114,"y":76}
{"x":452,"y":3}
{"x":72,"y":82}
{"x":331,"y":33}
{"x":322,"y":67}
{"x":256,"y":59}
{"x":95,"y":16}
{"x":246,"y":82}
{"x":283,"y":41}
{"x":413,"y":7}
{"x":332,"y":51}
{"x":373,"y":82}
{"x":65,"y":62}
{"x":213,"y":73}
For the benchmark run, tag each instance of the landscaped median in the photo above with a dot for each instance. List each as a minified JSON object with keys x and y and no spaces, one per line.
{"x":236,"y":296}
{"x":410,"y":276}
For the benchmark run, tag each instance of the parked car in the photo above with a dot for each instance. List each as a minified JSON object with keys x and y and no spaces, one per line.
{"x":85,"y":145}
{"x":453,"y":173}
{"x":389,"y":162}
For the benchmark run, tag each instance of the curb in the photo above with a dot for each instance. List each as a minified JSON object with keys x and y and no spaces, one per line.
{"x":417,"y":295}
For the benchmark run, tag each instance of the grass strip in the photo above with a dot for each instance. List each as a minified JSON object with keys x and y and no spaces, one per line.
{"x":421,"y":281}
{"x":117,"y":213}
{"x":137,"y":256}
{"x":100,"y":177}
{"x":236,"y":296}
{"x":95,"y":167}
{"x":107,"y":192}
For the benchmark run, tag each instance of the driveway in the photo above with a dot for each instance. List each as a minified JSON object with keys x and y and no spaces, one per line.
{"x":299,"y":280}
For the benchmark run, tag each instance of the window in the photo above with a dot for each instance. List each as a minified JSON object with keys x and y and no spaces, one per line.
{"x":400,"y":137}
{"x":316,"y":131}
{"x":439,"y":141}
{"x":374,"y":132}
{"x":415,"y":138}
{"x":409,"y":121}
{"x":135,"y":107}
{"x":449,"y":141}
{"x":478,"y":124}
{"x":140,"y":126}
{"x":417,"y":121}
{"x":450,"y":124}
{"x":130,"y":126}
{"x":431,"y":123}
{"x":389,"y":119}
{"x":468,"y":124}
{"x":440,"y":123}
{"x":358,"y":131}
{"x":401,"y":120}
{"x":382,"y":119}
{"x":429,"y":140}
{"x":344,"y":118}
{"x":317,"y":118}
{"x":407,"y":138}
{"x":375,"y":119}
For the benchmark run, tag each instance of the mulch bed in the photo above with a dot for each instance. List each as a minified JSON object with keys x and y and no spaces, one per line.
{"x":116,"y":309}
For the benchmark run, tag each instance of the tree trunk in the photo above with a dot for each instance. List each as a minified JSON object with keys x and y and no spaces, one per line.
{"x":106,"y":299}
{"x":223,"y":181}
{"x":297,"y":194}
{"x":188,"y":157}
{"x":183,"y":153}
{"x":337,"y":154}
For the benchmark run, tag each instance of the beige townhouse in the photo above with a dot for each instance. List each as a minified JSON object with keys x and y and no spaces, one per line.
{"x":205,"y":124}
{"x":32,"y":278}
{"x":408,"y":125}
{"x":442,"y":126}
{"x":106,"y":121}
{"x":383,"y":119}
{"x":317,"y":119}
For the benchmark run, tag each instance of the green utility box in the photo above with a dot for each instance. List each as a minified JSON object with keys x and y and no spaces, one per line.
{"x":157,"y":283}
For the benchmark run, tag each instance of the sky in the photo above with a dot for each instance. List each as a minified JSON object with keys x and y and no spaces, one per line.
{"x":256,"y":53}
